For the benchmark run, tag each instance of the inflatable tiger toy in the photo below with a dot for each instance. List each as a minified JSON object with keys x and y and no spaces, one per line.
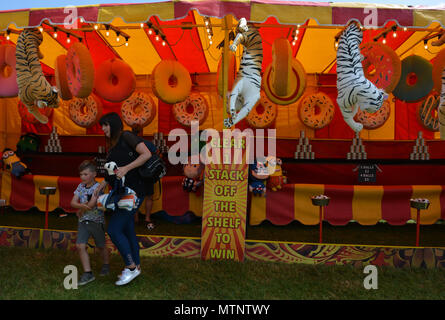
{"x":34,"y":90}
{"x":246,"y":90}
{"x":354,"y":90}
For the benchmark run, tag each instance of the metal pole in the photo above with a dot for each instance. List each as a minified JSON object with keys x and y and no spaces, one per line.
{"x":225,"y":63}
{"x":418,"y":227}
{"x":46,"y":212}
{"x":321,"y":225}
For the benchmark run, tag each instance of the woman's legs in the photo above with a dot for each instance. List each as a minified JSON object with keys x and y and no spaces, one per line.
{"x":118,"y":232}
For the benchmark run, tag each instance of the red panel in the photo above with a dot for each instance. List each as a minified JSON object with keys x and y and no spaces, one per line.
{"x":175,"y":201}
{"x":66,"y":187}
{"x":395,"y":204}
{"x":62,"y":15}
{"x":343,"y":15}
{"x":406,"y":124}
{"x":213,"y":8}
{"x":281,"y":204}
{"x":22,"y":193}
{"x":185,"y":44}
{"x":339,"y":210}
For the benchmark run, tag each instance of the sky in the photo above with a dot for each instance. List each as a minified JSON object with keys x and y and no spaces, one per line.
{"x":24,"y":4}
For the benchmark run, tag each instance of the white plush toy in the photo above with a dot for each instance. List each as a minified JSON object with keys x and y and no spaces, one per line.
{"x":120,"y":196}
{"x":246,"y":90}
{"x":354,"y":90}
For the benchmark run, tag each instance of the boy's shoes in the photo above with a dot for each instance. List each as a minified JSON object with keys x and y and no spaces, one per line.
{"x":105,"y":270}
{"x":85,"y":278}
{"x":127,"y":276}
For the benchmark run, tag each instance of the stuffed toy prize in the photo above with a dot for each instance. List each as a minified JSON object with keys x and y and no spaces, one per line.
{"x":13,"y":163}
{"x":258,"y":174}
{"x":277,"y":177}
{"x":194,"y":176}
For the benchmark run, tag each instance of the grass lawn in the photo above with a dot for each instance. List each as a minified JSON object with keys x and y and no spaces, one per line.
{"x":38,"y":274}
{"x":352,"y":233}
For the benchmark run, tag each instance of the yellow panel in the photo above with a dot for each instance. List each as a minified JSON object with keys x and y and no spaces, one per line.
{"x":19,"y":18}
{"x":51,"y":49}
{"x":367,"y":5}
{"x":140,"y":53}
{"x":367,"y":204}
{"x":290,"y":14}
{"x":40,"y":200}
{"x":423,"y":18}
{"x":317,"y":48}
{"x":61,"y":120}
{"x":10,"y":123}
{"x":137,"y":12}
{"x":415,"y":45}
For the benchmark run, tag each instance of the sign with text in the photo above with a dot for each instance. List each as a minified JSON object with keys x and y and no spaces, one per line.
{"x":224,"y":212}
{"x":367,"y":173}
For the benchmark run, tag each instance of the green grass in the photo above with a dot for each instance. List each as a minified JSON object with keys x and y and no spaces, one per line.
{"x":352,"y":233}
{"x":38,"y":274}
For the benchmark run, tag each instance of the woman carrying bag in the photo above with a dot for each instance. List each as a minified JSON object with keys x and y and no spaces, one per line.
{"x":129,"y":152}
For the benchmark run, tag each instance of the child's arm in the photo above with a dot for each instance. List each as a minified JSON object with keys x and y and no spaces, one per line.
{"x":77,"y":205}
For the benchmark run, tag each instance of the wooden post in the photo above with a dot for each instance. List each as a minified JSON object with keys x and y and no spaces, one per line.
{"x":225,"y":63}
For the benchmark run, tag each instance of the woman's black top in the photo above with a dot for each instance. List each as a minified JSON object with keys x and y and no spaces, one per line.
{"x":123,"y":153}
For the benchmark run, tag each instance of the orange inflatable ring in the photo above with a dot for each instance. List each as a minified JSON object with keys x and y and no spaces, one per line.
{"x":298,"y":75}
{"x":85,"y":112}
{"x":8,"y":73}
{"x":427,"y":112}
{"x":79,"y":70}
{"x":438,"y":66}
{"x":29,"y":117}
{"x":139,"y":110}
{"x":231,"y":75}
{"x":381,"y":65}
{"x":115,"y":80}
{"x":316,"y":111}
{"x":194,"y":108}
{"x":263,"y":114}
{"x":61,"y":80}
{"x":374,"y":120}
{"x":171,"y":81}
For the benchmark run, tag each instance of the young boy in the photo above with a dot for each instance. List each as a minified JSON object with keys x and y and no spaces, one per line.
{"x":91,"y":221}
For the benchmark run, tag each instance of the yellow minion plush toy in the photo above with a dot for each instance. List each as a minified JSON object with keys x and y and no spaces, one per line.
{"x":13,"y":164}
{"x":277,"y":178}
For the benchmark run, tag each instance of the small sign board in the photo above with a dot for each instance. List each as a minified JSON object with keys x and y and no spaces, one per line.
{"x":367,"y":173}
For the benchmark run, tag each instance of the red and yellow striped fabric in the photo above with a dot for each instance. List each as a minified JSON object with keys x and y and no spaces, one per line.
{"x":23,"y":194}
{"x":365,"y":204}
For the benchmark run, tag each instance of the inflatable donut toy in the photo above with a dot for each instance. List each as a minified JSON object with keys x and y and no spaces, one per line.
{"x":171,"y":81}
{"x":263,"y":113}
{"x":297,"y":81}
{"x":8,"y":73}
{"x":381,"y":65}
{"x":428,"y":112}
{"x":29,"y":117}
{"x":374,"y":120}
{"x":115,"y":80}
{"x":61,"y":80}
{"x":139,"y":110}
{"x":79,"y":70}
{"x":438,"y":66}
{"x":416,"y":80}
{"x":85,"y":112}
{"x":231,"y":74}
{"x":282,"y":67}
{"x":316,"y":110}
{"x":193,"y":108}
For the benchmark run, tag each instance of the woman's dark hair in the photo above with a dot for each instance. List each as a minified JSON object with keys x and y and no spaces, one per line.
{"x":116,"y":126}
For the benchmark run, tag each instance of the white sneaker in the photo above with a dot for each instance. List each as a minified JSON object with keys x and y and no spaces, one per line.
{"x":127,"y":275}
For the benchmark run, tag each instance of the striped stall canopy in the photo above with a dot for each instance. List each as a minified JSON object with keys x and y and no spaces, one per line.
{"x":184,"y":27}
